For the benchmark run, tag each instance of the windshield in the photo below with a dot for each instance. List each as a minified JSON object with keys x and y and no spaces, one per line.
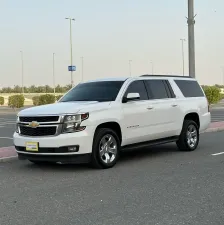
{"x":103,"y":91}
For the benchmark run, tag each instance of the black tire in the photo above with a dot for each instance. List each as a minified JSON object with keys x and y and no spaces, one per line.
{"x":183,"y":143}
{"x":96,"y":160}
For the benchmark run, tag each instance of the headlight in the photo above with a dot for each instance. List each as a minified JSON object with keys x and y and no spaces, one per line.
{"x":72,"y":123}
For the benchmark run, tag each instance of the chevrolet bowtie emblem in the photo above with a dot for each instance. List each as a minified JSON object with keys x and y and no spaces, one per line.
{"x":34,"y":124}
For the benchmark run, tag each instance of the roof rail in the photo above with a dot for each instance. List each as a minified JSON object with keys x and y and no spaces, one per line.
{"x":180,"y":76}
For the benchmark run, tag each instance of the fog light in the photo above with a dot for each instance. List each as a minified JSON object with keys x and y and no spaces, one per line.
{"x":73,"y":148}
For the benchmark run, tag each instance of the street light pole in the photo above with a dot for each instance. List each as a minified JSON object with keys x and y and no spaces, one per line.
{"x":191,"y":41}
{"x":70,"y":23}
{"x":152,"y":67}
{"x":130,"y":67}
{"x":223,"y":74}
{"x":21,"y":52}
{"x":82,"y":67}
{"x":53,"y":74}
{"x":182,"y":43}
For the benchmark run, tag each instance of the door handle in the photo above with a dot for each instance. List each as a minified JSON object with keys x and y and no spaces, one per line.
{"x":174,"y":105}
{"x":150,"y":108}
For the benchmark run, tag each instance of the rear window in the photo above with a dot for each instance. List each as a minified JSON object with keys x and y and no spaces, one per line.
{"x":190,"y":88}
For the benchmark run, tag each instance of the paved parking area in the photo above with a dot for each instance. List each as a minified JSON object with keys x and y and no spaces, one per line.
{"x":158,"y":186}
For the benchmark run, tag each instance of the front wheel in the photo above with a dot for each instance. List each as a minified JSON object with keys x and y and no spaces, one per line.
{"x":106,"y":148}
{"x":189,"y":137}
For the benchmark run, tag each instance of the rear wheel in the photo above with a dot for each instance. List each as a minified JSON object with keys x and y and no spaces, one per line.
{"x":106,"y":148}
{"x":189,"y":137}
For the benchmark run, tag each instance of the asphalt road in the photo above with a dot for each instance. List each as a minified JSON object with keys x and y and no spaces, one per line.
{"x":158,"y":186}
{"x":7,"y":128}
{"x":217,"y":114}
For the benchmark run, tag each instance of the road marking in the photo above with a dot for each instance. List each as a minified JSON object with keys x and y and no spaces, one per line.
{"x":220,"y":153}
{"x":6,"y":138}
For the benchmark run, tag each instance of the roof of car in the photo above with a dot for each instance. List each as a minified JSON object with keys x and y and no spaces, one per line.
{"x":138,"y":77}
{"x":109,"y":79}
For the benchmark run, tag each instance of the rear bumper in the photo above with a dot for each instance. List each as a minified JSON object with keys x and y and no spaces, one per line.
{"x":60,"y":157}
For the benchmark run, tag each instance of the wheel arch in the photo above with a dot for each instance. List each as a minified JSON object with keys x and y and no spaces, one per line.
{"x":193,"y":116}
{"x":113,"y":125}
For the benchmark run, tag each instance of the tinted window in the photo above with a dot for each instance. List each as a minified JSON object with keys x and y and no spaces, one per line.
{"x":94,"y":91}
{"x":189,"y":88}
{"x":137,"y":87}
{"x":170,"y":89}
{"x":156,"y":89}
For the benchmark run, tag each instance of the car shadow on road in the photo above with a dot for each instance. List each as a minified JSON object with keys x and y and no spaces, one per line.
{"x":126,"y":157}
{"x":149,"y":152}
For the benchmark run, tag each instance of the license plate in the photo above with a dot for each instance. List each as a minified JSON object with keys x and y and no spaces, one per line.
{"x":32,"y":146}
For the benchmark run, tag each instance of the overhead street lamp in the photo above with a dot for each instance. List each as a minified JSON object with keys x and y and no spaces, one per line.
{"x":70,"y":23}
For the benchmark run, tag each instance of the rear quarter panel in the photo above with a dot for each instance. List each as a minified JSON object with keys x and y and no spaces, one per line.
{"x":197,"y":105}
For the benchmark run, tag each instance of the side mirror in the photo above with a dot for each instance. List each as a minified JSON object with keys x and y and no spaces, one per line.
{"x":131,"y":97}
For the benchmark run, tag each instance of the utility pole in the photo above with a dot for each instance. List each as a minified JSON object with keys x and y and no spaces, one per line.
{"x":82,"y":67}
{"x":53,"y":74}
{"x":191,"y":41}
{"x":152,"y":67}
{"x":182,"y":43}
{"x":21,"y":52}
{"x":70,"y":23}
{"x":130,"y":67}
{"x":223,"y":74}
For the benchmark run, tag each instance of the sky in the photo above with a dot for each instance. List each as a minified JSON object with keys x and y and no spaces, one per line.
{"x":107,"y":34}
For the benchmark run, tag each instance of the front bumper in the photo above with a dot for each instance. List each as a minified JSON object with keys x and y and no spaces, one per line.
{"x":63,"y":158}
{"x":57,"y":146}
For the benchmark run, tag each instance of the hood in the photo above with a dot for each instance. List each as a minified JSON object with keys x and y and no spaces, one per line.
{"x":61,"y":108}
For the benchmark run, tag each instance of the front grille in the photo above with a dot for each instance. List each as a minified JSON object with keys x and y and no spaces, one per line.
{"x":40,"y":119}
{"x":39,"y":131}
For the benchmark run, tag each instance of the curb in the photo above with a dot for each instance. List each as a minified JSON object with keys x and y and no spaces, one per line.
{"x":211,"y":130}
{"x":8,"y":159}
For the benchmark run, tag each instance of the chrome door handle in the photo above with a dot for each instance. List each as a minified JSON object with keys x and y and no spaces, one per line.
{"x":174,"y":105}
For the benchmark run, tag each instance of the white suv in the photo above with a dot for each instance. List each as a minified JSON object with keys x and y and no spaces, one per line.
{"x":95,"y":120}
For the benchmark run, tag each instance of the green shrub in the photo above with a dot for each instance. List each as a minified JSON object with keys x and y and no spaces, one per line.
{"x":2,"y":100}
{"x":16,"y":101}
{"x":213,"y":94}
{"x":58,"y":97}
{"x":35,"y":100}
{"x":46,"y":99}
{"x":221,"y":96}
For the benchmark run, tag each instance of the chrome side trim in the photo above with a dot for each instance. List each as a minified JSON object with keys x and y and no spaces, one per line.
{"x":32,"y":153}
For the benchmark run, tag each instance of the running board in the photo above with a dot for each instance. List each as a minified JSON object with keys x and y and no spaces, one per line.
{"x":150,"y":143}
